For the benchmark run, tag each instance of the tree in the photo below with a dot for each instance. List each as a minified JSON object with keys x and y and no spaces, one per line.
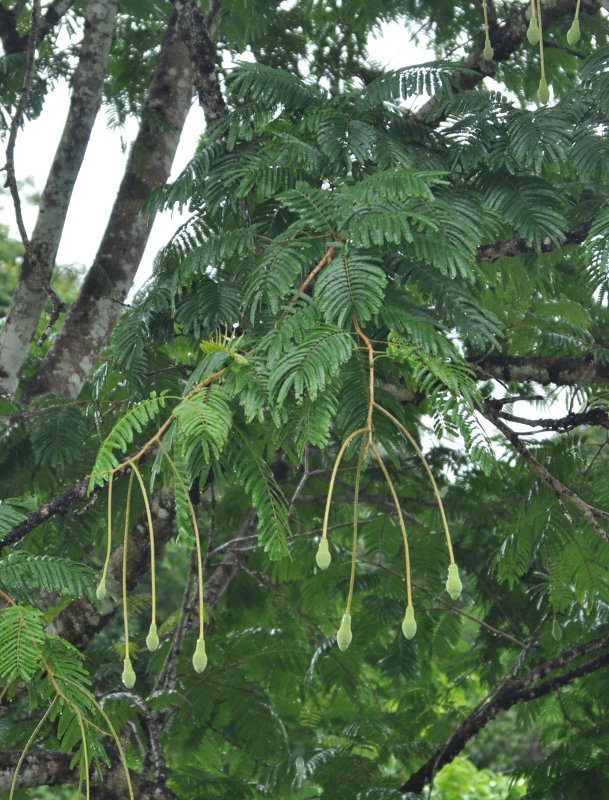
{"x":277,"y":527}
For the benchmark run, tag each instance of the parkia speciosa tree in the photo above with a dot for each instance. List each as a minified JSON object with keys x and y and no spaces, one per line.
{"x":322,"y":510}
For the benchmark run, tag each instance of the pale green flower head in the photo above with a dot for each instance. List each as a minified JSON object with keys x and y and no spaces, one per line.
{"x":533,"y":34}
{"x":409,"y":625}
{"x":323,"y":556}
{"x":199,"y":659}
{"x":543,"y":93}
{"x":344,"y":635}
{"x":453,"y":582}
{"x":573,"y":33}
{"x":152,"y":640}
{"x":128,"y":674}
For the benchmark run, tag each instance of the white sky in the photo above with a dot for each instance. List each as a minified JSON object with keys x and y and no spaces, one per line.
{"x":102,"y":169}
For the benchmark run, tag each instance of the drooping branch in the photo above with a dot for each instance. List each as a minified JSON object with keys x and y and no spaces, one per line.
{"x":29,"y":295}
{"x":590,"y":513}
{"x":52,"y":768}
{"x":92,"y":318}
{"x":195,"y":31}
{"x":511,"y":693}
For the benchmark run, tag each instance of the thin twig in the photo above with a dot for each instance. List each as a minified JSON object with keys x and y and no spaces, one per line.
{"x":325,"y":259}
{"x":590,"y":513}
{"x":30,"y":63}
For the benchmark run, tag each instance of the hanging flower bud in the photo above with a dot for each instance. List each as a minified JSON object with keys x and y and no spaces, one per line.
{"x":533,"y":31}
{"x":323,"y":556}
{"x":152,"y":640}
{"x":556,"y":630}
{"x":453,"y":582}
{"x":573,"y":32}
{"x":409,"y":626}
{"x":543,"y":93}
{"x":344,"y":635}
{"x":128,"y":674}
{"x":488,"y":51}
{"x":100,"y":592}
{"x":199,"y":659}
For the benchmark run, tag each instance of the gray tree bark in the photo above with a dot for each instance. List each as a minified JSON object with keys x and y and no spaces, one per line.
{"x":29,"y":296}
{"x":88,"y":325}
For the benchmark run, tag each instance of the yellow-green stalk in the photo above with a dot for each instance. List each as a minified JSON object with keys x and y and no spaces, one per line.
{"x":152,"y":640}
{"x":488,"y":50}
{"x":573,"y":32}
{"x":543,"y":93}
{"x":344,"y":636}
{"x":409,"y":626}
{"x":452,"y":569}
{"x":323,"y":557}
{"x":128,"y":673}
{"x":533,"y":34}
{"x":199,"y":659}
{"x":101,"y":587}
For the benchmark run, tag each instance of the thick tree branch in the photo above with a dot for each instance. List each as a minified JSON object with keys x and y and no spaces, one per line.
{"x":92,"y":318}
{"x":194,"y":29}
{"x":516,"y":691}
{"x":541,"y":369}
{"x":517,"y":245}
{"x":52,"y":768}
{"x":13,"y":41}
{"x":29,"y":295}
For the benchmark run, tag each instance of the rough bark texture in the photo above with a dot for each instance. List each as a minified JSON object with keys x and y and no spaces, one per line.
{"x":29,"y":295}
{"x":542,"y":369}
{"x":516,"y":691}
{"x":13,"y":41}
{"x":86,"y":329}
{"x":52,"y":768}
{"x":513,"y":247}
{"x":196,"y":36}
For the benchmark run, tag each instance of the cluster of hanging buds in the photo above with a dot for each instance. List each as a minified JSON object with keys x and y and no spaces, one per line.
{"x":199,"y":659}
{"x":535,"y":36}
{"x":323,"y":557}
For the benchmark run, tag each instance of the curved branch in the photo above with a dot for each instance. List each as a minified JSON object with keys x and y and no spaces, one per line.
{"x":516,"y":691}
{"x":589,"y":512}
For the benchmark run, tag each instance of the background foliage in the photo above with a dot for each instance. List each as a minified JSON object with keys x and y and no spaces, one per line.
{"x":337,"y":214}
